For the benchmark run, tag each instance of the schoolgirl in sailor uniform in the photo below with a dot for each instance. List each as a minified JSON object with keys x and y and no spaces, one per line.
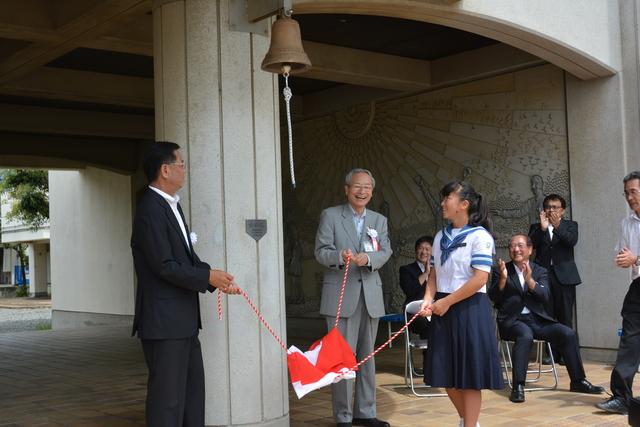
{"x":463,"y":355}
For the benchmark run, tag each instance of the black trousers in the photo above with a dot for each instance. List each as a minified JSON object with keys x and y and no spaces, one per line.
{"x":563,"y":300}
{"x":175,"y":388}
{"x":530,"y":326}
{"x":629,"y":350}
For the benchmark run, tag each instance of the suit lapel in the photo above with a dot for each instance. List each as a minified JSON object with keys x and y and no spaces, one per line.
{"x":416,"y":268}
{"x":367,"y":223}
{"x":513,"y":276}
{"x":186,"y":227}
{"x":555,"y":236}
{"x":172,"y":218}
{"x":349,"y":226}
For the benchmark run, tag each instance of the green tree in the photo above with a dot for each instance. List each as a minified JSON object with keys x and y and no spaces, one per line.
{"x":29,"y":192}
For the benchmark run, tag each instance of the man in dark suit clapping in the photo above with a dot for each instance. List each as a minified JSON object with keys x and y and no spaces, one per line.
{"x":553,"y":240}
{"x":413,"y":281}
{"x":170,"y":277}
{"x":520,"y":292}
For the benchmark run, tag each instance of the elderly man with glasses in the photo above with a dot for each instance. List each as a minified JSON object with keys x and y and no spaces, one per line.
{"x":519,"y":290}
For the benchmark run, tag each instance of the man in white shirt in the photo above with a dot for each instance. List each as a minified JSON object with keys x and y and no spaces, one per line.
{"x":629,"y":350}
{"x":520,"y":291}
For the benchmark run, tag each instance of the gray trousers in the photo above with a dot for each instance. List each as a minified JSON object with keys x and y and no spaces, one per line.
{"x":360,"y":332}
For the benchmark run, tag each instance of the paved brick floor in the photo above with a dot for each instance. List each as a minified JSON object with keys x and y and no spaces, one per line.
{"x":96,"y":377}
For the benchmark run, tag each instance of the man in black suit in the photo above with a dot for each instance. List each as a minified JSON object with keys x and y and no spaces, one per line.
{"x":170,"y":277}
{"x":520,"y":292}
{"x":413,"y":281}
{"x":553,"y":240}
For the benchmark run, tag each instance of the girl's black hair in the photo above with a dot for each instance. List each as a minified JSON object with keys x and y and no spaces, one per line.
{"x":478,"y":208}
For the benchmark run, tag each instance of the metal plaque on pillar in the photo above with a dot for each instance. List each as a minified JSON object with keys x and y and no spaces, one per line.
{"x":239,"y":20}
{"x":256,"y":228}
{"x":249,"y":16}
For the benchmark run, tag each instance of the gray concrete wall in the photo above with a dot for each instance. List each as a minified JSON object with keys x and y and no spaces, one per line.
{"x":91,"y":263}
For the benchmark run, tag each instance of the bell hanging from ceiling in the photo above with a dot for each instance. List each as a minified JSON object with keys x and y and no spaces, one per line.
{"x":286,"y":49}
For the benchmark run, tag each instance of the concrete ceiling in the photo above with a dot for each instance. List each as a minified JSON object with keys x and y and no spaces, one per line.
{"x":96,"y":57}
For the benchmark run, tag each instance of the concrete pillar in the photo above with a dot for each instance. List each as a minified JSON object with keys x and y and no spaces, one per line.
{"x":213,"y":99}
{"x":37,"y":254}
{"x":602,"y":125}
{"x":596,"y":164}
{"x":91,"y":264}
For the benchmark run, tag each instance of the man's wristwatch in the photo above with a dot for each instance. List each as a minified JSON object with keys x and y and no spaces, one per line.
{"x":637,"y":263}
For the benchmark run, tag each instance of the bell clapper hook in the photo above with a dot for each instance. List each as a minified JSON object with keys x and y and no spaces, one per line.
{"x":287,"y":94}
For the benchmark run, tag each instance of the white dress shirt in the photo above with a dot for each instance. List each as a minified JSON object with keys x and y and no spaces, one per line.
{"x":630,"y":239}
{"x":421,"y":265}
{"x":358,"y":220}
{"x":525,"y":310}
{"x":173,"y":203}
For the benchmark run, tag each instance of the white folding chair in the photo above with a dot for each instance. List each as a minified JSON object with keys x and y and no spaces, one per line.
{"x":414,"y":343}
{"x":540,"y":346}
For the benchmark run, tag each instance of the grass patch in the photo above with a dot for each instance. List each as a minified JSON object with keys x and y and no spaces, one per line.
{"x":46,"y":326}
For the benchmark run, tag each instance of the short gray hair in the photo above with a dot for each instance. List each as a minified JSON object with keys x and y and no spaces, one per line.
{"x":347,"y":179}
{"x":633,"y":175}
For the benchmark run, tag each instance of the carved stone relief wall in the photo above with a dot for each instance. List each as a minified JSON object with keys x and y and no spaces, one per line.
{"x":505,"y":134}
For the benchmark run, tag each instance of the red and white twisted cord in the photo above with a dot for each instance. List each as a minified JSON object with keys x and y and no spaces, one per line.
{"x":344,"y":285}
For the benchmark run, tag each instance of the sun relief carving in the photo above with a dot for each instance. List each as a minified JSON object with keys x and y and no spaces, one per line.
{"x":354,"y":122}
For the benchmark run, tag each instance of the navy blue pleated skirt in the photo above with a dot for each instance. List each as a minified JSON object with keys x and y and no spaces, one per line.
{"x":463,"y":349}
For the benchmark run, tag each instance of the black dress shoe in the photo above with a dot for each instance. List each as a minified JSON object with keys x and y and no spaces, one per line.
{"x":615,"y":405}
{"x":343,"y":425}
{"x":584,"y":386}
{"x":517,"y":393}
{"x":546,"y":360}
{"x":370,"y":422}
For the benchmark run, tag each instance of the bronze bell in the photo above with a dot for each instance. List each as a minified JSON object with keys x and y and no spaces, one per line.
{"x":286,"y":48}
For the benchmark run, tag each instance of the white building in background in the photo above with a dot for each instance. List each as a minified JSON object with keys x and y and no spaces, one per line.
{"x":39,"y":265}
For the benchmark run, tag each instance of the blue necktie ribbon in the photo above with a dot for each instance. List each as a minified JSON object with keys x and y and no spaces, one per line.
{"x":449,"y":244}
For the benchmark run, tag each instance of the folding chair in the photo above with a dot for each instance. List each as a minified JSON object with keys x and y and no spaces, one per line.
{"x":411,"y":343}
{"x":540,"y":346}
{"x":391,"y":318}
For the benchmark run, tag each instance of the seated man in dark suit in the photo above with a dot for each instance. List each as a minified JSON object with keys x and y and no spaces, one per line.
{"x":413,"y":281}
{"x":520,"y":291}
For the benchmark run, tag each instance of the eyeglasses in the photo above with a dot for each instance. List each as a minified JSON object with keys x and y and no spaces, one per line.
{"x":633,"y":192}
{"x":518,"y":246}
{"x":553,"y":207}
{"x":181,"y":164}
{"x":358,"y":187}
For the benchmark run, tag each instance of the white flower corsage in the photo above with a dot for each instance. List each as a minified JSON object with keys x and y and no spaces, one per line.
{"x":373,"y":235}
{"x":194,"y":238}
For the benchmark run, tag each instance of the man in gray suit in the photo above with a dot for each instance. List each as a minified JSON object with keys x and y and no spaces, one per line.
{"x":351,"y":230}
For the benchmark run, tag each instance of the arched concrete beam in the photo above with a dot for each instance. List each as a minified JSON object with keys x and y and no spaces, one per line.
{"x":69,"y":152}
{"x":580,"y":37}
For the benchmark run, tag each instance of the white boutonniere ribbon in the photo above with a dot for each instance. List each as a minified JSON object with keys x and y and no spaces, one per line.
{"x":194,"y":238}
{"x":373,"y":235}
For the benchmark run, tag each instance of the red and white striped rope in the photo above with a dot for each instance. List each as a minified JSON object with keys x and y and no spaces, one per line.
{"x":256,"y":310}
{"x":344,"y":285}
{"x":393,"y":337}
{"x":262,"y":319}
